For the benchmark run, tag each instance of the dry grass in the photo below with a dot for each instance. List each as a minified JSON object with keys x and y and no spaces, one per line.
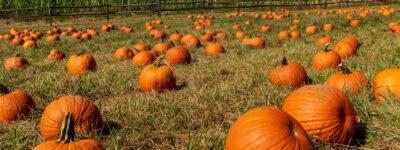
{"x":213,"y":91}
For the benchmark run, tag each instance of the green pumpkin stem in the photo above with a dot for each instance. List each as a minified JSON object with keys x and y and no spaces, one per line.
{"x":157,"y":63}
{"x":284,"y":61}
{"x":344,"y":69}
{"x":4,"y":90}
{"x":67,"y":129}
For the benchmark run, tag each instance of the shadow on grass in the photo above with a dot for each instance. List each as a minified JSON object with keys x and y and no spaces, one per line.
{"x":181,"y":86}
{"x":360,"y":136}
{"x":109,"y":126}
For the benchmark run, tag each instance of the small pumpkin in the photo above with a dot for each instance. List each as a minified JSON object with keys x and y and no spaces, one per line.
{"x":240,"y":34}
{"x":67,"y":138}
{"x":221,"y":35}
{"x":214,"y":49}
{"x":283,"y":35}
{"x":347,"y":79}
{"x":86,"y":36}
{"x":265,"y":28}
{"x":190,"y":40}
{"x":80,"y":64}
{"x":105,"y":28}
{"x":324,"y":41}
{"x":87,"y":117}
{"x":257,"y":42}
{"x":52,"y":38}
{"x":141,"y":47}
{"x":123,"y":53}
{"x":76,"y":35}
{"x":14,"y":63}
{"x":178,"y":55}
{"x":28,"y":45}
{"x":267,"y":128}
{"x":161,"y":47}
{"x":175,"y":37}
{"x":14,"y":104}
{"x":346,"y":47}
{"x":355,"y":23}
{"x":310,"y":30}
{"x":289,"y":74}
{"x":387,"y":84}
{"x":56,"y":54}
{"x":157,"y":77}
{"x":17,"y":41}
{"x":143,"y":58}
{"x":328,"y":27}
{"x":206,"y":38}
{"x":324,"y":112}
{"x":325,"y":59}
{"x":295,"y":34}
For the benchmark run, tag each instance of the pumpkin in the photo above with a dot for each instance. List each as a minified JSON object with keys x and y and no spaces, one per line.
{"x":14,"y":63}
{"x":324,"y":112}
{"x":351,"y":80}
{"x":8,"y":37}
{"x":387,"y":84}
{"x":325,"y":59}
{"x":395,"y":29}
{"x":267,"y":128}
{"x":143,"y":58}
{"x":190,"y":17}
{"x":247,"y":23}
{"x":56,"y":55}
{"x":67,"y":138}
{"x":14,"y":104}
{"x":161,"y":47}
{"x":265,"y":28}
{"x":17,"y":41}
{"x":157,"y":77}
{"x":92,"y":31}
{"x":123,"y":53}
{"x":294,"y":27}
{"x":221,"y":35}
{"x":283,"y":35}
{"x":142,"y":47}
{"x":211,"y":32}
{"x":76,"y":35}
{"x":175,"y":37}
{"x":80,"y":64}
{"x":346,"y":47}
{"x":206,"y":38}
{"x":105,"y":28}
{"x":236,"y":27}
{"x":310,"y":30}
{"x":64,"y":33}
{"x":295,"y":34}
{"x":290,"y":74}
{"x":178,"y":55}
{"x":86,"y":36}
{"x":257,"y":42}
{"x":86,"y":116}
{"x":71,"y":29}
{"x":30,"y":44}
{"x":328,"y":27}
{"x":190,"y":40}
{"x":324,"y":41}
{"x":52,"y":38}
{"x":214,"y":49}
{"x":158,"y":34}
{"x":349,"y":16}
{"x":240,"y":34}
{"x":355,"y":23}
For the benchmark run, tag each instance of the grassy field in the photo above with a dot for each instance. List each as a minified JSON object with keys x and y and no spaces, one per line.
{"x":212,"y":91}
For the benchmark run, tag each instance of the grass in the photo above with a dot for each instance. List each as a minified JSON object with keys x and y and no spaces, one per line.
{"x":213,"y":91}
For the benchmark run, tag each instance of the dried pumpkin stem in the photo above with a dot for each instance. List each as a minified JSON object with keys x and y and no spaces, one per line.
{"x":344,"y":69}
{"x":3,"y":90}
{"x":284,"y":61}
{"x":67,"y":129}
{"x":326,"y":47}
{"x":158,"y":61}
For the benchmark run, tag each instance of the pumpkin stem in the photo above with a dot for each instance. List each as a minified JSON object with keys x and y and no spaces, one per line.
{"x":344,"y":69}
{"x":17,"y":55}
{"x":284,"y":61}
{"x":158,"y":61}
{"x":67,"y":129}
{"x":4,"y":90}
{"x":326,"y":47}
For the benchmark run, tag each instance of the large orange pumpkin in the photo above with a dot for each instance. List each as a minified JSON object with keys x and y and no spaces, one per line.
{"x":86,"y":116}
{"x":67,"y":138}
{"x":214,"y":49}
{"x":267,"y":128}
{"x":325,"y":113}
{"x":387,"y":84}
{"x":80,"y":64}
{"x":157,"y":77}
{"x":351,"y":80}
{"x":289,"y":74}
{"x":178,"y":55}
{"x":14,"y":104}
